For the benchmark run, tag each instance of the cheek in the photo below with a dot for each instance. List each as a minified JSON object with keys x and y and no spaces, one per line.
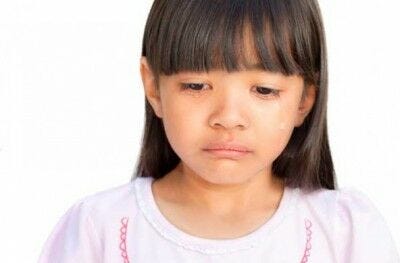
{"x":276,"y":129}
{"x":182,"y":125}
{"x":278,"y":117}
{"x":286,"y":113}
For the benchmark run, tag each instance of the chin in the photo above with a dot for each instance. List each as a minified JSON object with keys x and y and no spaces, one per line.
{"x":218,"y":175}
{"x":224,"y":179}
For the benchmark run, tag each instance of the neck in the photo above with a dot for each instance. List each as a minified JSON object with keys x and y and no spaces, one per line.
{"x":262,"y":191}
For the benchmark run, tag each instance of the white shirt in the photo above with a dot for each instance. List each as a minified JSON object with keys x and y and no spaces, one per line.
{"x":124,"y":224}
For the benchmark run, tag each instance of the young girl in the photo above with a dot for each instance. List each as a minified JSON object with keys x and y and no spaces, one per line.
{"x":235,"y":164}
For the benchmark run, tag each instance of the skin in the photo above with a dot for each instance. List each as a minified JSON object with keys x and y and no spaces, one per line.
{"x":219,"y":197}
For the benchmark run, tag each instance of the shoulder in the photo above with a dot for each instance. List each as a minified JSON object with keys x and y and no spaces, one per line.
{"x":114,"y":197}
{"x":353,"y":205}
{"x":345,"y":204}
{"x":82,"y":227}
{"x":85,"y":226}
{"x":108,"y":204}
{"x":354,"y":222}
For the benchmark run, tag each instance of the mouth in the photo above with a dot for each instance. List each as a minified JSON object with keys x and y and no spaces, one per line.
{"x":227,"y":147}
{"x":227,"y":150}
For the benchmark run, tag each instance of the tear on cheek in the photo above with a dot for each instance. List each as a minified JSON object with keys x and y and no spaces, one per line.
{"x":281,"y":111}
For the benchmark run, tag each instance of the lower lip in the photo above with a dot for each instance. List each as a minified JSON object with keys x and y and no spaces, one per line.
{"x":227,"y":153}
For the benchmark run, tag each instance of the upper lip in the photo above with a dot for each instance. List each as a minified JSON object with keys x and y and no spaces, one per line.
{"x":232,"y":146}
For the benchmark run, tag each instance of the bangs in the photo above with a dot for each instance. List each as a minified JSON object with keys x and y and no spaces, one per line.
{"x":272,"y":35}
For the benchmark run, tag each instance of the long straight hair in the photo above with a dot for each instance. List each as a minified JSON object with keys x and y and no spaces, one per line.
{"x":287,"y":36}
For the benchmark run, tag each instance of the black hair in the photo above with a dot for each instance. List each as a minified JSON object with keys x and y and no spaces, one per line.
{"x":286,"y":36}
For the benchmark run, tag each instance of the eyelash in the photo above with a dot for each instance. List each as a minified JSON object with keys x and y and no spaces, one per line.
{"x":188,"y":87}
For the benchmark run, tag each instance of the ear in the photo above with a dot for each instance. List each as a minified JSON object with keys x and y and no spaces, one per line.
{"x":150,"y":86}
{"x":306,"y":104}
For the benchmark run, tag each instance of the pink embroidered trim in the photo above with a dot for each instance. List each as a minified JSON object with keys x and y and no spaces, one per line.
{"x":122,"y":244}
{"x":307,"y":249}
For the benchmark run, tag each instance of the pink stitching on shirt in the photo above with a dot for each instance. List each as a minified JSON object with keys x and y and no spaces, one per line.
{"x":307,"y":249}
{"x":122,"y":244}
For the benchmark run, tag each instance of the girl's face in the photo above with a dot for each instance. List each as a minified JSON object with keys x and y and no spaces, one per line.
{"x":253,"y":108}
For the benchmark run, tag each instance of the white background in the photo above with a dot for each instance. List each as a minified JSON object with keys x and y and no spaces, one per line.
{"x":72,"y":107}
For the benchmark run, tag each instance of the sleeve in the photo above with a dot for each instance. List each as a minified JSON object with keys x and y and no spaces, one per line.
{"x":363,"y":233}
{"x":74,"y":238}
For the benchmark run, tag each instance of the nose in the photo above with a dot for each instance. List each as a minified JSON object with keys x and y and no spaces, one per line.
{"x":228,"y":110}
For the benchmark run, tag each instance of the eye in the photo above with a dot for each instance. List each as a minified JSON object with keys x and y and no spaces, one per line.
{"x":267,"y":92}
{"x":193,"y":87}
